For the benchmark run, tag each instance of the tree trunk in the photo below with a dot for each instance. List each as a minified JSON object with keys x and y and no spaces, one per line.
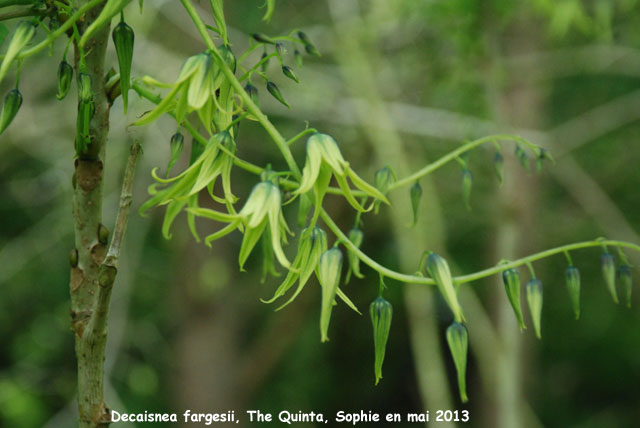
{"x":91,"y":278}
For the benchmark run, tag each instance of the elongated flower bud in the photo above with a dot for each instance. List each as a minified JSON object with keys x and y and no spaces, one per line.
{"x":523,"y":158}
{"x":85,"y":93}
{"x":275,"y":91}
{"x":415,"y":194}
{"x":608,"y":264}
{"x":280,"y":49}
{"x":252,"y":91}
{"x":12,"y":103}
{"x":265,"y":63}
{"x":123,"y":38}
{"x":228,"y":57}
{"x":303,"y":210}
{"x":534,"y":299}
{"x":626,"y":283}
{"x":438,"y":269}
{"x":458,"y":341}
{"x":498,"y":166}
{"x":356,"y":237}
{"x":467,"y":183}
{"x":511,"y":280}
{"x":383,"y":177}
{"x":288,"y":71}
{"x":175,"y":146}
{"x":308,"y":45}
{"x":328,"y":271}
{"x":381,"y":313}
{"x":86,"y":110}
{"x":261,"y":38}
{"x":572,"y":277}
{"x":65,"y":74}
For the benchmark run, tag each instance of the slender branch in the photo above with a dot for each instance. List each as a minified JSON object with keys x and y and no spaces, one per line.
{"x":455,"y":154}
{"x":251,"y":106}
{"x":416,"y":279}
{"x":21,"y":13}
{"x":125,"y":205}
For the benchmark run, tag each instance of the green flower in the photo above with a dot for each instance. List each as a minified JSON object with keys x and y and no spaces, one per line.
{"x":325,"y":159}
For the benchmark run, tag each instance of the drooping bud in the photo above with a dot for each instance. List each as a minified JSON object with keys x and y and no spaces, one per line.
{"x":356,"y":237}
{"x":175,"y":146}
{"x":227,"y":55}
{"x":626,"y":283}
{"x":73,"y":258}
{"x":572,"y":278}
{"x":275,"y":92}
{"x":261,"y":38}
{"x":328,"y":271}
{"x":123,"y":39}
{"x":298,"y":56}
{"x":308,"y":45}
{"x":252,"y":91}
{"x":438,"y":269}
{"x":23,"y":35}
{"x":280,"y":49}
{"x":12,"y":103}
{"x":383,"y":177}
{"x":458,"y":341}
{"x":467,"y":184}
{"x":381,"y":313}
{"x":288,"y":71}
{"x":265,"y":63}
{"x":511,"y":280}
{"x":85,"y":93}
{"x":416,"y":194}
{"x":534,"y":299}
{"x":498,"y":166}
{"x":542,"y":156}
{"x":608,"y":264}
{"x":65,"y":74}
{"x":521,"y":154}
{"x":103,"y":234}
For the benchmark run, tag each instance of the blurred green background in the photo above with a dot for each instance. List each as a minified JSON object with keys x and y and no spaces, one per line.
{"x":399,"y":83}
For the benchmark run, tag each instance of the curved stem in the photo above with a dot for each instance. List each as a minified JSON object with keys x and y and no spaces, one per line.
{"x":456,"y":153}
{"x":415,"y":279}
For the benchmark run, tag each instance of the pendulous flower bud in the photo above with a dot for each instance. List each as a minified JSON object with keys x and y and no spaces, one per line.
{"x":123,"y":38}
{"x":626,"y":283}
{"x":303,"y":210}
{"x":608,"y":264}
{"x":356,"y":237}
{"x":534,"y":299}
{"x":458,"y":341}
{"x":175,"y":146}
{"x":381,"y":313}
{"x":328,"y":270}
{"x":261,"y":38}
{"x":275,"y":92}
{"x":252,"y":91}
{"x":415,"y":194}
{"x":85,"y":93}
{"x":467,"y":184}
{"x":280,"y":49}
{"x":12,"y":103}
{"x":308,"y":45}
{"x":511,"y":280}
{"x":572,"y":277}
{"x":498,"y":166}
{"x":438,"y":269}
{"x":288,"y":71}
{"x":523,"y":158}
{"x":65,"y":74}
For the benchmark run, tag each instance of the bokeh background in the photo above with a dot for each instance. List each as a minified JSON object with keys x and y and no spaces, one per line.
{"x":399,"y":83}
